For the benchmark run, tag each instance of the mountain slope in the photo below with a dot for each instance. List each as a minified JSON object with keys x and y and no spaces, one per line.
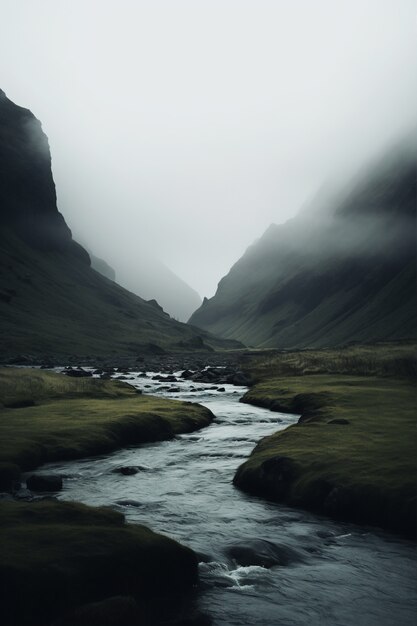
{"x":51,"y":300}
{"x":102,"y":267}
{"x":151,"y":279}
{"x":342,"y":270}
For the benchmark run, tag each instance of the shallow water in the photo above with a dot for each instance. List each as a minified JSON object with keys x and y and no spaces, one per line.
{"x":334,"y":574}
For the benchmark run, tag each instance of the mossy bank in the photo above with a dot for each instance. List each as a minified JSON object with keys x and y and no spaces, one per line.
{"x":47,"y":417}
{"x":56,"y":556}
{"x":352,"y":455}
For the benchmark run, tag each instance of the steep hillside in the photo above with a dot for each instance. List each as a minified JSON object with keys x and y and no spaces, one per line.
{"x":51,"y":300}
{"x":343,"y":270}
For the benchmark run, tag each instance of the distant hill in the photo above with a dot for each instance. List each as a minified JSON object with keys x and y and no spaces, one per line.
{"x":51,"y":300}
{"x":152,"y":279}
{"x":102,"y":267}
{"x":343,"y":270}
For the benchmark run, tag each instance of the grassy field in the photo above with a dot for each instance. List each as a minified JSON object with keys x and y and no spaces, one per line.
{"x":55,"y":556}
{"x":353,"y":453}
{"x":68,"y":418}
{"x":397,"y":360}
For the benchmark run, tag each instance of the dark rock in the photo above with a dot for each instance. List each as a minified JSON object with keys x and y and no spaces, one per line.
{"x":187,"y":374}
{"x":23,"y":494}
{"x":276,"y":476}
{"x":134,"y":503}
{"x":262,"y":553}
{"x":77,"y":373}
{"x":128,"y":470}
{"x":221,"y":389}
{"x":166,"y":379}
{"x":239,"y":378}
{"x":44,"y":482}
{"x":174,"y":390}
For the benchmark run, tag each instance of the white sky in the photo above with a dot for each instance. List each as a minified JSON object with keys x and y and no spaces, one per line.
{"x":184,"y":128}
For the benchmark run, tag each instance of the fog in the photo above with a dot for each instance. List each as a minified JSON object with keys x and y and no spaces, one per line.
{"x":180,"y":130}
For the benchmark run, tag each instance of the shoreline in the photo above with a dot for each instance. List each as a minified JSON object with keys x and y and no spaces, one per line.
{"x":345,"y":458}
{"x":59,"y":557}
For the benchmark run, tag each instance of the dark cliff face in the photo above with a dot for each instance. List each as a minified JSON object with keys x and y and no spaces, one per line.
{"x":51,"y":301}
{"x":343,"y":271}
{"x":28,"y":202}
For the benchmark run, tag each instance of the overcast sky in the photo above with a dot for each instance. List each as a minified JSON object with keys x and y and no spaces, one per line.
{"x":185,"y":127}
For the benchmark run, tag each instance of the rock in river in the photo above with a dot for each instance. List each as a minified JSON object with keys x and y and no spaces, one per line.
{"x":44,"y":482}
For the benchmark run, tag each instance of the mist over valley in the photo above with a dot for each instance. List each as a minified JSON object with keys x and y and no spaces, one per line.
{"x":208,"y":313}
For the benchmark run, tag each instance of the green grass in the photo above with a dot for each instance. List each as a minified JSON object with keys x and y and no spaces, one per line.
{"x":55,"y":556}
{"x":396,"y":359}
{"x":364,"y":470}
{"x":73,"y":418}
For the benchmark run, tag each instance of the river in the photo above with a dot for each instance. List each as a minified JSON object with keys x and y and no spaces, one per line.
{"x":331,"y":573}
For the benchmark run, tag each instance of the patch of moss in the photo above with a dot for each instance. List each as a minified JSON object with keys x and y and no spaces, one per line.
{"x":361,"y":467}
{"x":55,"y":556}
{"x":73,"y":418}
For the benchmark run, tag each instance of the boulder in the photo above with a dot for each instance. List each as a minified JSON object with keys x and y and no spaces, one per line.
{"x":77,"y":373}
{"x":262,"y":553}
{"x":44,"y":482}
{"x":130,"y":470}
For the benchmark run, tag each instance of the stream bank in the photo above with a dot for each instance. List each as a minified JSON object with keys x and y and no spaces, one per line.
{"x":260,"y":563}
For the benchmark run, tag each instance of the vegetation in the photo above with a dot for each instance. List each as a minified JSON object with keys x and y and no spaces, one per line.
{"x":59,"y":417}
{"x":382,"y":359}
{"x":55,"y":556}
{"x":353,"y":453}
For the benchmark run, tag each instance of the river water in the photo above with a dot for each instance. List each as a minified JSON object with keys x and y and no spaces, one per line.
{"x":330,"y":573}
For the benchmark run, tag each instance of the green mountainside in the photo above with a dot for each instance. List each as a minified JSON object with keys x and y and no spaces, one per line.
{"x":51,"y":301}
{"x":344,"y":269}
